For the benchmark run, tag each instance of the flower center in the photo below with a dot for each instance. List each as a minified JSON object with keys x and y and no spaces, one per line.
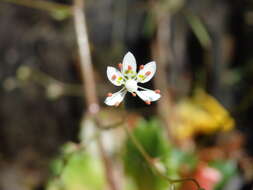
{"x":131,"y":85}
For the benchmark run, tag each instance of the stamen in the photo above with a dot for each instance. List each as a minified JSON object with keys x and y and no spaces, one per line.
{"x":133,"y":94}
{"x":120,"y":66}
{"x":109,"y":94}
{"x":157,"y":91}
{"x":147,"y":73}
{"x":148,"y":102}
{"x":141,"y":67}
{"x":129,"y":68}
{"x":117,"y":104}
{"x":114,"y":77}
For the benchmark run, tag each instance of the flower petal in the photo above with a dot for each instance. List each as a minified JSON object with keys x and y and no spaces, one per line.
{"x":148,"y":71}
{"x":129,"y":65}
{"x":148,"y":95}
{"x":115,"y":76}
{"x":116,"y":98}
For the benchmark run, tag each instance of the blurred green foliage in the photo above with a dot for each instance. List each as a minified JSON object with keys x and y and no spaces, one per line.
{"x":149,"y":134}
{"x":61,"y":14}
{"x":199,"y":29}
{"x":77,"y":170}
{"x":153,"y":139}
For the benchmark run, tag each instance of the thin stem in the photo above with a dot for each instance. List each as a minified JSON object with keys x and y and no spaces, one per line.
{"x":108,"y":127}
{"x":89,"y":85}
{"x":85,"y":57}
{"x":107,"y":164}
{"x":149,"y":160}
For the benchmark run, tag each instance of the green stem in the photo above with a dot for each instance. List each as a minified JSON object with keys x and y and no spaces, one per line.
{"x":198,"y":29}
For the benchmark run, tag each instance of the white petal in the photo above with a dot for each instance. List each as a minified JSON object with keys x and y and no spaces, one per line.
{"x":116,"y":98}
{"x":148,"y":95}
{"x":145,"y":74}
{"x":129,"y":65}
{"x":115,"y":76}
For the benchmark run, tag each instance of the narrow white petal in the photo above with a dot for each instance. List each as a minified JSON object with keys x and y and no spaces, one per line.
{"x":145,"y":74}
{"x":116,"y":98}
{"x":129,"y":65}
{"x":148,"y":95}
{"x":115,"y":76}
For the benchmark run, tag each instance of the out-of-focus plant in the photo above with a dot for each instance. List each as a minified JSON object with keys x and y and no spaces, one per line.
{"x":198,"y":29}
{"x":171,"y":7}
{"x":54,"y":88}
{"x":76,"y":169}
{"x":227,"y":168}
{"x":201,"y":114}
{"x":164,"y":156}
{"x":57,"y":10}
{"x":207,"y":176}
{"x":149,"y":134}
{"x":212,"y":175}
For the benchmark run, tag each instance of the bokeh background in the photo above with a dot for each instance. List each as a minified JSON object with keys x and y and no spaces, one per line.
{"x":201,"y":128}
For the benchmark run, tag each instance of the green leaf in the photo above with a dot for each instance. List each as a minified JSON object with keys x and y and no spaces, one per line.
{"x":199,"y":29}
{"x":80,"y":171}
{"x":151,"y":136}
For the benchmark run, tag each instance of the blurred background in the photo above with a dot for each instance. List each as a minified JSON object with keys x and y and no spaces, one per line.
{"x":201,"y":128}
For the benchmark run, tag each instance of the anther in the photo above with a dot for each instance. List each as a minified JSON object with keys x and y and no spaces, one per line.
{"x":120,"y":65}
{"x":148,"y":102}
{"x":114,"y":77}
{"x":109,"y":94}
{"x":129,"y":67}
{"x":147,"y":73}
{"x":141,"y":67}
{"x":157,"y":91}
{"x":133,"y":94}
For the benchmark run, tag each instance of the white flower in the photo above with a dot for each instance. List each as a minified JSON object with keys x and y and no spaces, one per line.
{"x":129,"y":79}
